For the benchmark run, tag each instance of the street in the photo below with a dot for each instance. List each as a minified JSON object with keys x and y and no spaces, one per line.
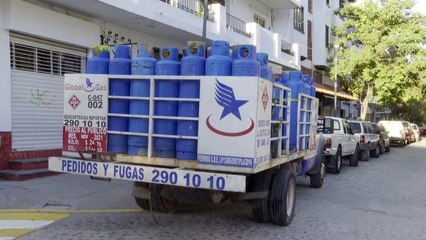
{"x":383,"y":198}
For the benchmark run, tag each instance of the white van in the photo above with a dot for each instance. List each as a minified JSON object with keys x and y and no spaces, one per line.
{"x":397,"y":131}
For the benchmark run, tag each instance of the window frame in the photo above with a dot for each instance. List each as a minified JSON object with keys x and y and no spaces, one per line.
{"x":299,"y":19}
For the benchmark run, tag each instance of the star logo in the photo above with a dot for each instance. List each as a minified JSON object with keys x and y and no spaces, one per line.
{"x":225,"y":97}
{"x":74,"y":102}
{"x":88,"y":87}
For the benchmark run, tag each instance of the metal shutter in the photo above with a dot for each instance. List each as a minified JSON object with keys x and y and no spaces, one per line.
{"x":37,"y":69}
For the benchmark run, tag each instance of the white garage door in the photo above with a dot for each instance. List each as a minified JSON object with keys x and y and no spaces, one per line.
{"x":37,"y":68}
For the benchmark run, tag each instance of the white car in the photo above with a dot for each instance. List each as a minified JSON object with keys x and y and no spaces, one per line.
{"x":416,"y":131}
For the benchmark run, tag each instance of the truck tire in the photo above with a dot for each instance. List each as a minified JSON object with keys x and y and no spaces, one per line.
{"x":382,"y":147}
{"x":143,"y":203}
{"x":260,"y":207}
{"x":388,"y":148}
{"x":317,"y":179}
{"x":365,"y":155}
{"x":337,"y":160}
{"x":159,"y":203}
{"x":282,"y":198}
{"x":376,"y":152}
{"x":353,"y":160}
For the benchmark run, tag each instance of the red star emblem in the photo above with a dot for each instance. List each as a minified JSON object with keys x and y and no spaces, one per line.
{"x":74,"y":102}
{"x":265,"y":98}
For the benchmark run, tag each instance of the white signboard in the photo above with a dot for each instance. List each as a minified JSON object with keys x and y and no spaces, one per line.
{"x":233,"y":111}
{"x":85,"y":113}
{"x":174,"y":177}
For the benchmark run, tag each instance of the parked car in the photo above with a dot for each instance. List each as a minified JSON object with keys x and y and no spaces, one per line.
{"x":411,"y":137}
{"x":368,"y":139}
{"x":384,"y":139}
{"x":422,"y":130}
{"x":416,"y":131}
{"x":396,"y":131}
{"x":340,"y":142}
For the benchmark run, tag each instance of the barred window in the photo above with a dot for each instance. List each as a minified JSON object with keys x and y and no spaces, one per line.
{"x":41,"y":60}
{"x":299,"y":20}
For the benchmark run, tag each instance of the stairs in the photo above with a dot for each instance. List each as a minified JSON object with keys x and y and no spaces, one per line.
{"x":26,"y":169}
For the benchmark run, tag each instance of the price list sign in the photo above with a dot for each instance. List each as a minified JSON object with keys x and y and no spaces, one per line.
{"x":85,"y":113}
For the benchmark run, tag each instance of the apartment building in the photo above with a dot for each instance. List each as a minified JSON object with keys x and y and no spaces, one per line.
{"x":41,"y":40}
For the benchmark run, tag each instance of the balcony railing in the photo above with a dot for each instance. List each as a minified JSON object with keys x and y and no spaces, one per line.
{"x":237,"y":25}
{"x":286,"y":47}
{"x":195,"y":7}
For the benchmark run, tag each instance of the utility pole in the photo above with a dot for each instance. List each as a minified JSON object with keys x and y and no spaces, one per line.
{"x":335,"y":81}
{"x":206,"y":12}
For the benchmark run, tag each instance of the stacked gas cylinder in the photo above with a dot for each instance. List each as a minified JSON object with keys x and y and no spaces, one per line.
{"x":130,"y":114}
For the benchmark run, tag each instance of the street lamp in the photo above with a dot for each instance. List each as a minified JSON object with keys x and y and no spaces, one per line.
{"x":336,"y":47}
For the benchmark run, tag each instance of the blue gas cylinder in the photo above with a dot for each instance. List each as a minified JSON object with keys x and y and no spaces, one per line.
{"x":142,"y":64}
{"x":168,"y":65}
{"x":245,"y":63}
{"x":98,"y":64}
{"x":120,"y":65}
{"x":219,"y":63}
{"x":313,"y":88}
{"x":306,"y":84}
{"x":265,"y":70}
{"x":296,"y":85}
{"x":192,"y":64}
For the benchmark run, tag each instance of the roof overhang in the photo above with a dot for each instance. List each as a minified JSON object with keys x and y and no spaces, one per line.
{"x":327,"y":91}
{"x":281,"y":4}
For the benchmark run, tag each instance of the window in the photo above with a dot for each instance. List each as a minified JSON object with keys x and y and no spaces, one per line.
{"x":327,"y":36}
{"x":336,"y":125}
{"x":259,"y":20}
{"x":356,"y":127}
{"x":310,"y":6}
{"x":35,"y":59}
{"x":341,"y":2}
{"x":327,"y":2}
{"x":299,"y":20}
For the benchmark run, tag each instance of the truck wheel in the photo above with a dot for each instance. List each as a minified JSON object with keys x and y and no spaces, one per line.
{"x":365,"y":155}
{"x":317,"y":179}
{"x":282,"y":198}
{"x":382,"y":148}
{"x":260,"y":207}
{"x":159,"y":203}
{"x":337,"y":160}
{"x":388,"y":148}
{"x":142,"y":203}
{"x":353,"y":161}
{"x":376,"y":151}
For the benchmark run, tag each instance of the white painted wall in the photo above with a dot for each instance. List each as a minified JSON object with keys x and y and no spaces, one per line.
{"x":5,"y":79}
{"x":150,"y":41}
{"x":323,"y":15}
{"x":37,"y":21}
{"x":246,"y":9}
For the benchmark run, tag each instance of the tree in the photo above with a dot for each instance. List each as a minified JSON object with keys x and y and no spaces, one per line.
{"x":381,"y":52}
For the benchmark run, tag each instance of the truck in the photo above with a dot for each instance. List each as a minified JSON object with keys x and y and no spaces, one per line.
{"x":340,"y":141}
{"x":243,"y":153}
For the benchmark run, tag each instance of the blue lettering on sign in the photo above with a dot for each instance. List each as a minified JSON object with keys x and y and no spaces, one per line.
{"x":225,"y":160}
{"x":128,"y":172}
{"x":79,"y":167}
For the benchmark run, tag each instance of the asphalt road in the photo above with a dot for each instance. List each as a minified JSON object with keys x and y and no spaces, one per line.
{"x":383,"y":198}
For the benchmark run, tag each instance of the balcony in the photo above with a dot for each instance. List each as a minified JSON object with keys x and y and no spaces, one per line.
{"x":281,"y":4}
{"x":195,"y":7}
{"x":237,"y":25}
{"x":287,"y":47}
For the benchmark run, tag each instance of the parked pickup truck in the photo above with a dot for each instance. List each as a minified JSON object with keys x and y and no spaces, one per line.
{"x":340,"y":142}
